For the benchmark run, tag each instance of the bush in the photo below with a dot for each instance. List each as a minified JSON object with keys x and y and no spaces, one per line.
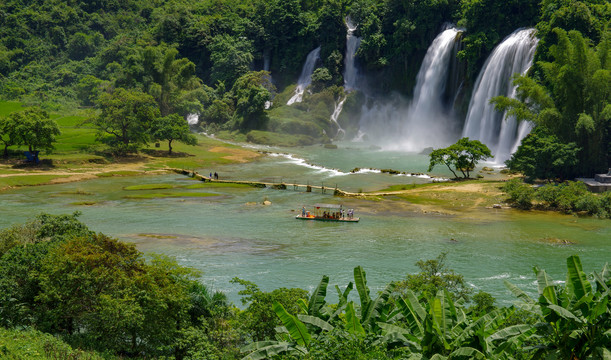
{"x":520,"y":194}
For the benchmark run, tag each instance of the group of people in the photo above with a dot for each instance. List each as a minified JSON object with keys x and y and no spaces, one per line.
{"x":341,"y":214}
{"x":216,"y":176}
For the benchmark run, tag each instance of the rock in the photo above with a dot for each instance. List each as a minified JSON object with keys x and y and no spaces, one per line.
{"x":251,"y":203}
{"x":330,"y":146}
{"x":497,"y":206}
{"x":267,"y":202}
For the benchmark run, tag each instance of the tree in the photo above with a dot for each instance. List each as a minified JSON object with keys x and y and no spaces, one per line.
{"x":8,"y":132}
{"x":434,"y":276}
{"x":125,"y":119}
{"x":543,"y":156}
{"x":321,"y":78}
{"x":251,"y":91}
{"x":231,"y":58}
{"x":463,"y":156}
{"x":170,"y":128}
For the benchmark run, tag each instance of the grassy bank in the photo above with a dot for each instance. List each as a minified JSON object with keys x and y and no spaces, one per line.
{"x":77,"y":155}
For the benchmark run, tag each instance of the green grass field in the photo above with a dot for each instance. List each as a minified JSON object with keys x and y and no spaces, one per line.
{"x":76,"y":149}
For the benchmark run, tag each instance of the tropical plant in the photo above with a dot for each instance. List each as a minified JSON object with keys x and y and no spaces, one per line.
{"x":574,"y":320}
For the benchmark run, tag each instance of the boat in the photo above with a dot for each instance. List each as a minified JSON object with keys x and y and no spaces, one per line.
{"x":327,"y":212}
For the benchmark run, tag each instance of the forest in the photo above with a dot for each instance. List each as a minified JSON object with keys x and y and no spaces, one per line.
{"x":235,"y":63}
{"x":103,"y":299}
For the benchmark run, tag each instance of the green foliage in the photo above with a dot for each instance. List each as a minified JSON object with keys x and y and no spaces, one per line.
{"x":251,"y":91}
{"x":170,"y":128}
{"x":433,"y":277}
{"x":543,"y":156}
{"x":463,"y":156}
{"x":125,"y":118}
{"x":520,"y":194}
{"x":260,"y":319}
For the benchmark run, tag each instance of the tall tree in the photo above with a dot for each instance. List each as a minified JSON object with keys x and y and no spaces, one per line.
{"x":463,"y":156}
{"x":36,"y":130}
{"x":125,"y":119}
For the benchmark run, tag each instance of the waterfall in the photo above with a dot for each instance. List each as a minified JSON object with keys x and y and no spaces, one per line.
{"x":428,"y":118}
{"x":350,"y":70}
{"x":338,"y":110}
{"x":192,"y":119}
{"x":306,"y":76}
{"x":514,"y":55}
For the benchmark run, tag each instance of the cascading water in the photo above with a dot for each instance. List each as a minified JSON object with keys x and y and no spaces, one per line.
{"x":338,"y":110}
{"x":306,"y":76}
{"x":428,"y":120}
{"x":514,"y":55}
{"x":350,"y":70}
{"x":350,"y":73}
{"x":192,"y":119}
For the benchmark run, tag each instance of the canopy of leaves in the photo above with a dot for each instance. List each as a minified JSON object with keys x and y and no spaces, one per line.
{"x":462,"y":156}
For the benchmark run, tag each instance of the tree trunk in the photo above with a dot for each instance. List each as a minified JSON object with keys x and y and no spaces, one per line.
{"x":170,"y":147}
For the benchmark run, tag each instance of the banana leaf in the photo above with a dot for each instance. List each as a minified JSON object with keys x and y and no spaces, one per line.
{"x":578,"y":284}
{"x":297,"y":329}
{"x":353,"y":325}
{"x":317,"y":300}
{"x":375,"y":307}
{"x":360,"y":280}
{"x":268,"y":351}
{"x":318,"y":322}
{"x":412,"y":319}
{"x":467,"y":353}
{"x":518,"y":293}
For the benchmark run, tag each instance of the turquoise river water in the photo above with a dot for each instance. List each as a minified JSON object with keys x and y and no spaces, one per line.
{"x":233,"y":235}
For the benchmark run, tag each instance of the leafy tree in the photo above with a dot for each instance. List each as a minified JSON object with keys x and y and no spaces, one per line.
{"x":463,"y":156}
{"x":230,"y":57}
{"x":260,"y":320}
{"x":543,"y":156}
{"x":35,"y":129}
{"x":251,"y":91}
{"x":125,"y":118}
{"x":170,"y":128}
{"x":8,"y":132}
{"x":433,"y":277}
{"x":172,"y":78}
{"x":321,"y":78}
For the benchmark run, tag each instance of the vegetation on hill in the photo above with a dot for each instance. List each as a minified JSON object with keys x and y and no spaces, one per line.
{"x":97,"y":293}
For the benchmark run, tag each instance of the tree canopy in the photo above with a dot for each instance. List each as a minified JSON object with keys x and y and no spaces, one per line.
{"x":462,"y":156}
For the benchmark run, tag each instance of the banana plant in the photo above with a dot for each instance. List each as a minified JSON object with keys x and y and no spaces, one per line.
{"x":574,"y":320}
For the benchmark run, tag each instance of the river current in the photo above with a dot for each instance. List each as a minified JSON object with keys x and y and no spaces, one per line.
{"x":232,"y":234}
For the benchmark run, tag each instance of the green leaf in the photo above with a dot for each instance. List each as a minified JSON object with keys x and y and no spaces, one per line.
{"x":519,"y":293}
{"x":564,"y":313}
{"x":296,"y":328}
{"x":412,"y":319}
{"x":353,"y":325}
{"x":318,"y":322}
{"x":543,"y":280}
{"x":267,"y":352}
{"x":375,"y":308}
{"x":317,"y":300}
{"x":578,"y":284}
{"x":509,"y":332}
{"x":360,"y":280}
{"x":467,"y":352}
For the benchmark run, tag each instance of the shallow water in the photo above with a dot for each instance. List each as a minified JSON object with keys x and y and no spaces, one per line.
{"x":226,"y":236}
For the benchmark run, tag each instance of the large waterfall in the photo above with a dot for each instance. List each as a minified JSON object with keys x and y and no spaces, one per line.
{"x":428,"y":120}
{"x":350,"y":70}
{"x":514,"y":55}
{"x":306,"y":76}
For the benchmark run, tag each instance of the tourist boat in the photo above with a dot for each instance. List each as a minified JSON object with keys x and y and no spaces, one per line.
{"x":327,"y":212}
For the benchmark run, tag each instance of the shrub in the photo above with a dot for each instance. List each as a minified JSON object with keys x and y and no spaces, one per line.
{"x":520,"y":194}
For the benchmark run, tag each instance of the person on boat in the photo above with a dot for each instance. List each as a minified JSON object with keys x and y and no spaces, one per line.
{"x":303,"y":211}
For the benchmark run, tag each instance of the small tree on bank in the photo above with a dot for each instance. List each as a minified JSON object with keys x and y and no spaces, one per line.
{"x":170,"y":128}
{"x":462,"y":156}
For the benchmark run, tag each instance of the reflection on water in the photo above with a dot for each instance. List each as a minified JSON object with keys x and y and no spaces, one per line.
{"x":233,"y":234}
